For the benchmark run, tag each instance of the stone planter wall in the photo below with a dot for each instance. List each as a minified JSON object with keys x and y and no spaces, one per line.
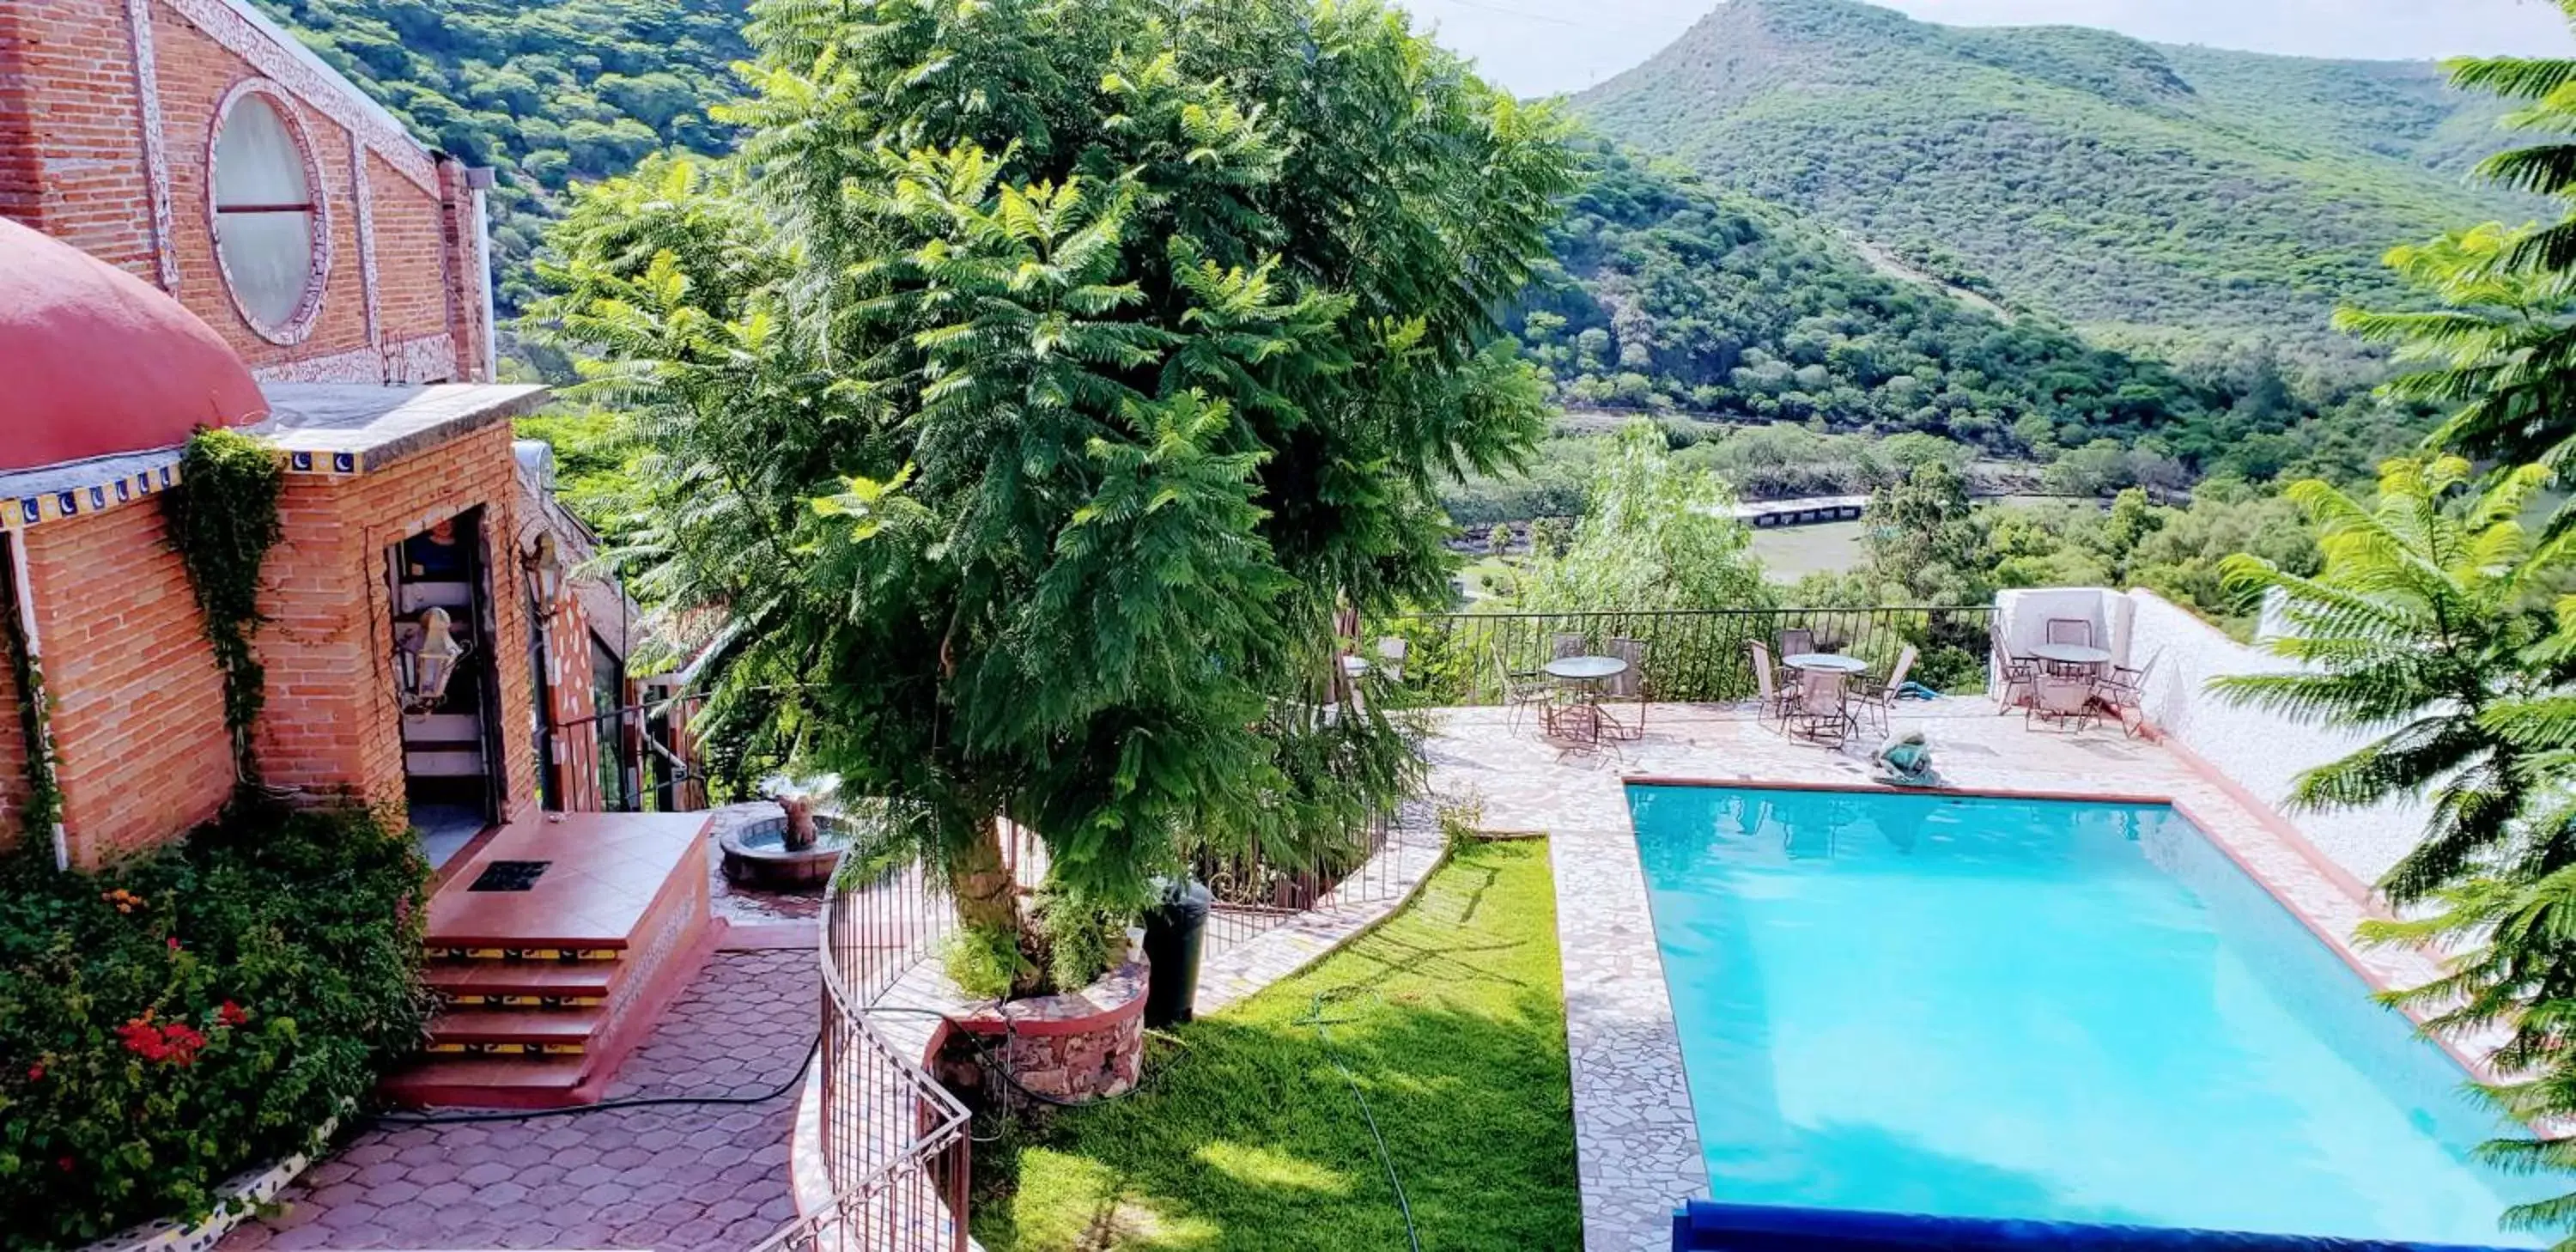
{"x":1077,"y":1047}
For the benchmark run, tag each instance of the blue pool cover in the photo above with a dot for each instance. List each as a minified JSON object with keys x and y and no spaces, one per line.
{"x":1706,"y":1226}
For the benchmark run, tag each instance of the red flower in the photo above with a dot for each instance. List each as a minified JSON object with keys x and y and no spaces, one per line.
{"x":231,"y":1014}
{"x":35,"y":1073}
{"x":176,"y":1043}
{"x":143,"y":1039}
{"x":174,"y":943}
{"x":66,"y":1163}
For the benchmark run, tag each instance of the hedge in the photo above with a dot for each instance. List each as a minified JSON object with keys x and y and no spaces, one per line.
{"x":195,"y":1012}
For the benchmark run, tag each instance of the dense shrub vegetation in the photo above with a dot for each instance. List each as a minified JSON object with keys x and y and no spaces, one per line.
{"x":195,"y":1012}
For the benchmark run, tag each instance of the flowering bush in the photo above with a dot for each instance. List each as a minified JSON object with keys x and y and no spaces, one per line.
{"x":196,"y":1012}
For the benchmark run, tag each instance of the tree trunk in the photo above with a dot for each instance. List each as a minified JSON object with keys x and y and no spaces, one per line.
{"x":987,"y":894}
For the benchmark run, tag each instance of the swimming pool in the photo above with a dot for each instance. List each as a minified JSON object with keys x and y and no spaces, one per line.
{"x":2052,"y":1010}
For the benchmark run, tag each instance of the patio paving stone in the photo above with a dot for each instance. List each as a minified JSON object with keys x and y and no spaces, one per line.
{"x":619,"y":1178}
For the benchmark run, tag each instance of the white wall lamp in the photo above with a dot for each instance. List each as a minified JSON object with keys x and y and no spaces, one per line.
{"x":546,"y":571}
{"x":426,"y":659}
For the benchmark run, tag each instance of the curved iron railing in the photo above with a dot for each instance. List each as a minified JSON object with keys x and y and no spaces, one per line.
{"x":894,"y":1143}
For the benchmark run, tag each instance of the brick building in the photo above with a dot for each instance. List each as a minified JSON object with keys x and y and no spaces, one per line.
{"x":203,"y":225}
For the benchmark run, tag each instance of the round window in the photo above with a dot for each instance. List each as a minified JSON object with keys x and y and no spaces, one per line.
{"x":269,"y":235}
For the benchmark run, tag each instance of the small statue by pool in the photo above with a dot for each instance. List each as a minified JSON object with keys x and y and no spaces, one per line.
{"x":1906,"y":761}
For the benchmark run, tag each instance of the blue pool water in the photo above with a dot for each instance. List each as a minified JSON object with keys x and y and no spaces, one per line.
{"x":2049,"y":1010}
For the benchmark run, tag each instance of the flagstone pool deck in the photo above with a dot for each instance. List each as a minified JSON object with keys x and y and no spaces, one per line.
{"x":1637,"y":1144}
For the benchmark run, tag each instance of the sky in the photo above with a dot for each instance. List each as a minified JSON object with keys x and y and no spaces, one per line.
{"x":1539,"y":47}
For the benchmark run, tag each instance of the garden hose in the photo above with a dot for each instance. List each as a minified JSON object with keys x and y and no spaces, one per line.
{"x":630,"y":1102}
{"x":1324,"y":1035}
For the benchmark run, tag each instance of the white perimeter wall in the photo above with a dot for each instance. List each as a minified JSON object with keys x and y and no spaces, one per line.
{"x":2259,"y":751}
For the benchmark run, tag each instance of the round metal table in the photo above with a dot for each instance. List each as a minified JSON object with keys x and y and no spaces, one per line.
{"x":2067,"y":701}
{"x":1825,"y":662}
{"x":1586,"y":674}
{"x":1585,"y":669}
{"x":2070,"y":654}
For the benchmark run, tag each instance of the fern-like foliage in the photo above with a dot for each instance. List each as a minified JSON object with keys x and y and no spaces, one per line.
{"x":1018,"y":408}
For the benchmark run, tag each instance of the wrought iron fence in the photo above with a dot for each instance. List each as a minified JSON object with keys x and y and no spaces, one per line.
{"x":1253,"y":894}
{"x":646,"y":758}
{"x":1691,"y":656}
{"x":895,"y":1144}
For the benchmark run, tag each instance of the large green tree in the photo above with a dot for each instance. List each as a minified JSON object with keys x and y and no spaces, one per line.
{"x":1039,"y":384}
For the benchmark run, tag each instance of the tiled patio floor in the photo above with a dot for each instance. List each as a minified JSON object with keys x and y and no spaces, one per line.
{"x":675,"y":1177}
{"x":1638,"y":1146}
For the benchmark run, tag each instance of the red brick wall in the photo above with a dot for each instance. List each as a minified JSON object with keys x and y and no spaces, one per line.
{"x":21,"y":173}
{"x":333,"y":721}
{"x":411,"y":268}
{"x":195,"y":74}
{"x":141,"y":754}
{"x":71,"y":68}
{"x":72,"y":164}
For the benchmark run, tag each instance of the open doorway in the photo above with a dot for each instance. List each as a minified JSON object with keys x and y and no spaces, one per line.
{"x":452,"y":775}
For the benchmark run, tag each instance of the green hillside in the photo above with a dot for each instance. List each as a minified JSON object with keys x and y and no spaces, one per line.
{"x":2157,"y":196}
{"x":1668,"y":295}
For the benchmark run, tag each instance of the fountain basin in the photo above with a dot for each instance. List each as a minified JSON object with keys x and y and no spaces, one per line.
{"x":756,"y":854}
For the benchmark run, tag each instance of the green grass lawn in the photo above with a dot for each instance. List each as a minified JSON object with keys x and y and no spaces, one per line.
{"x":1246,"y":1137}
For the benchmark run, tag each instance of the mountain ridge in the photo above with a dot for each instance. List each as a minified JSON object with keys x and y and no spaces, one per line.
{"x":2157,"y":196}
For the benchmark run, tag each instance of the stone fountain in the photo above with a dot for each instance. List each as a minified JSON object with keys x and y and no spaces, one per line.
{"x":796,"y":850}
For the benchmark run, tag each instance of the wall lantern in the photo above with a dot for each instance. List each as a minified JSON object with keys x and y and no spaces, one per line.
{"x":426,"y":659}
{"x":546,"y":571}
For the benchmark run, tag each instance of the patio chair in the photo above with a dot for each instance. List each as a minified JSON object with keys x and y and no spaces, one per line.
{"x":2124,"y":692}
{"x":1565,"y":643}
{"x":2074,"y":630}
{"x":2062,"y":698}
{"x":2011,"y":671}
{"x":1630,"y":684}
{"x":1775,"y":697}
{"x":1820,"y":716}
{"x":1879,"y":698}
{"x":1391,"y":652}
{"x":1522,"y":692}
{"x":1797,"y":641}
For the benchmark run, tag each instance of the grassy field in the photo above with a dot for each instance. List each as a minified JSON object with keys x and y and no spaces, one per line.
{"x":1790,"y":553}
{"x":1247,"y":1137}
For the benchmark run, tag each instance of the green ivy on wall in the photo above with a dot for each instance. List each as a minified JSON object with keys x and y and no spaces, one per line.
{"x":44,"y":798}
{"x":223,"y":521}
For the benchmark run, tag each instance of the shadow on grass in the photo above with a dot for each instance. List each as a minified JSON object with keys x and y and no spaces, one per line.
{"x":1247,"y":1136}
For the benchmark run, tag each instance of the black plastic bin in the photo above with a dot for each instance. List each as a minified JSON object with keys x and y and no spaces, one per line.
{"x":1175,"y":932}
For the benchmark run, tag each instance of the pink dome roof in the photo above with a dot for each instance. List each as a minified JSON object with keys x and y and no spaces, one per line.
{"x":95,"y":361}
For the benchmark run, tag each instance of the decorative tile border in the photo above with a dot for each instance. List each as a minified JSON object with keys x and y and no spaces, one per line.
{"x":92,"y":494}
{"x":237,"y":1201}
{"x":156,"y":159}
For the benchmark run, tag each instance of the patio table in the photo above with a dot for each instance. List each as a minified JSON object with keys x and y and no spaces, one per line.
{"x":2071,"y":658}
{"x":1586,"y":674}
{"x":2067,"y":701}
{"x":1825,"y":662}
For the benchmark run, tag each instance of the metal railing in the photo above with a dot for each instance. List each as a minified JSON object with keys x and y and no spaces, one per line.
{"x":1254,"y":894}
{"x":894,"y":1143}
{"x":1691,"y":656}
{"x":643,"y":755}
